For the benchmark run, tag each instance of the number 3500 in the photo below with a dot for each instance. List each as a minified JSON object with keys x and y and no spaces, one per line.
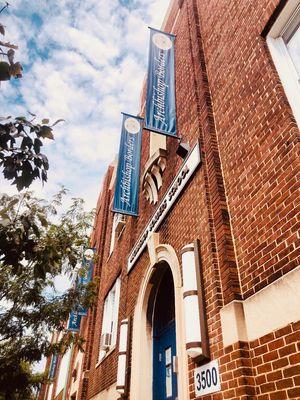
{"x":206,"y":379}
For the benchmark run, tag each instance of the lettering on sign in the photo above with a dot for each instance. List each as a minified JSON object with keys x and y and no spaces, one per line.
{"x":181,"y":179}
{"x":127,"y":180}
{"x":159,"y":91}
{"x":74,"y":320}
{"x":207,"y":379}
{"x":160,"y":103}
{"x":127,"y":171}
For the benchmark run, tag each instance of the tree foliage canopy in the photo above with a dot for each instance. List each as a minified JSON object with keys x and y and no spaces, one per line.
{"x":11,"y":68}
{"x":21,"y":141}
{"x":37,"y":243}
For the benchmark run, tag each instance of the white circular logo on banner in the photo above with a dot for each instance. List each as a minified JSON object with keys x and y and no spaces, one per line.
{"x":132,"y":125}
{"x":162,"y":41}
{"x":88,"y":254}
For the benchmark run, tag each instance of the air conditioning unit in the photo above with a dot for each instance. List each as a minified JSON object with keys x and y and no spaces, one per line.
{"x":105,"y":341}
{"x":120,"y":222}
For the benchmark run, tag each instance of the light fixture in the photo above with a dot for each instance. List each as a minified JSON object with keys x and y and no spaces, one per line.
{"x":123,"y":357}
{"x":183,"y":149}
{"x":197,"y":345}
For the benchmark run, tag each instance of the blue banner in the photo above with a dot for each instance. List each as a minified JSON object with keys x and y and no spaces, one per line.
{"x":82,"y":311}
{"x":53,"y":365}
{"x":85,"y":273}
{"x":128,"y":172}
{"x":85,"y":276}
{"x":160,"y":103}
{"x":74,"y":321}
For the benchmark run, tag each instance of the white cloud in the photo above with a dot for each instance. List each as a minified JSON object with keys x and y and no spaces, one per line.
{"x":84,"y":62}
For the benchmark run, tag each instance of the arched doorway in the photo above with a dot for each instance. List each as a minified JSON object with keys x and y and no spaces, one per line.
{"x":162,"y":274}
{"x":164,"y":338}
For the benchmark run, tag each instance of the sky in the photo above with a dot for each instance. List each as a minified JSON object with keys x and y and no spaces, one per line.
{"x":84,"y":61}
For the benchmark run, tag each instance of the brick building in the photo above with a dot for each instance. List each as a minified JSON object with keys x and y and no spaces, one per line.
{"x":207,"y":303}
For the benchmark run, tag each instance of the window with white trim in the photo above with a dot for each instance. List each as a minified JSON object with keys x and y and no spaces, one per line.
{"x":284,"y":43}
{"x":108,"y":337}
{"x":119,"y":221}
{"x":50,"y":390}
{"x":63,"y":372}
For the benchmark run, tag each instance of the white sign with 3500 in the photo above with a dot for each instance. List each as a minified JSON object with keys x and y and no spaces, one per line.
{"x":207,"y":379}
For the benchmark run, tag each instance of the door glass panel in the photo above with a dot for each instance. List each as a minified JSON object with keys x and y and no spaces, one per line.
{"x":168,"y":355}
{"x":168,"y":358}
{"x":165,"y":305}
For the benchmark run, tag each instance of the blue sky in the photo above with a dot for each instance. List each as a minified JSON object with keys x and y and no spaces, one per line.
{"x":84,"y":61}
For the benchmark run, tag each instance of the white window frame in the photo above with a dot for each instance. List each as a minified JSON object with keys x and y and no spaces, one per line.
{"x":63,"y":372}
{"x":110,"y":318}
{"x":113,"y":234}
{"x":281,"y":57}
{"x":118,"y":219}
{"x":50,"y":391}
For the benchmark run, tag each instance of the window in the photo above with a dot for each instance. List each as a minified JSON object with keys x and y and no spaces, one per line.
{"x":284,"y":44}
{"x":63,"y":372}
{"x":50,"y":390}
{"x":119,"y":221}
{"x":291,"y":38}
{"x":110,"y":320}
{"x":74,"y":374}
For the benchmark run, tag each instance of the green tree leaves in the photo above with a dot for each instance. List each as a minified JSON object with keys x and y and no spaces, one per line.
{"x":38,"y":241}
{"x":21,"y":141}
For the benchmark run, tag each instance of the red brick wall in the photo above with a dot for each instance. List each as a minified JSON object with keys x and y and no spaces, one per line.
{"x":257,"y":137}
{"x":89,"y":327}
{"x":45,"y":387}
{"x":202,"y":207}
{"x":276,"y":364}
{"x":241,"y":202}
{"x":97,"y":240}
{"x":43,"y":391}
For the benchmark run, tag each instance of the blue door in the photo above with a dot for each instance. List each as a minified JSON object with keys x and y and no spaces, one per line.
{"x":164,"y":339}
{"x":164,"y":378}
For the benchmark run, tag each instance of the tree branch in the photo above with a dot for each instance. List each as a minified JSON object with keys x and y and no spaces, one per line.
{"x":4,"y":7}
{"x":9,"y":45}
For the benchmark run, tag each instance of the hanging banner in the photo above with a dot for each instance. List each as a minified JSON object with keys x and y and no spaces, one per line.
{"x":82,"y":311}
{"x":85,"y":275}
{"x":160,"y":103}
{"x":53,"y":365}
{"x":128,"y":172}
{"x":74,"y":321}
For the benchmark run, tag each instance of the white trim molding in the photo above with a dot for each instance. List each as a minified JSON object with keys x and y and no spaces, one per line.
{"x":272,"y":308}
{"x":107,"y":394}
{"x":281,"y":57}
